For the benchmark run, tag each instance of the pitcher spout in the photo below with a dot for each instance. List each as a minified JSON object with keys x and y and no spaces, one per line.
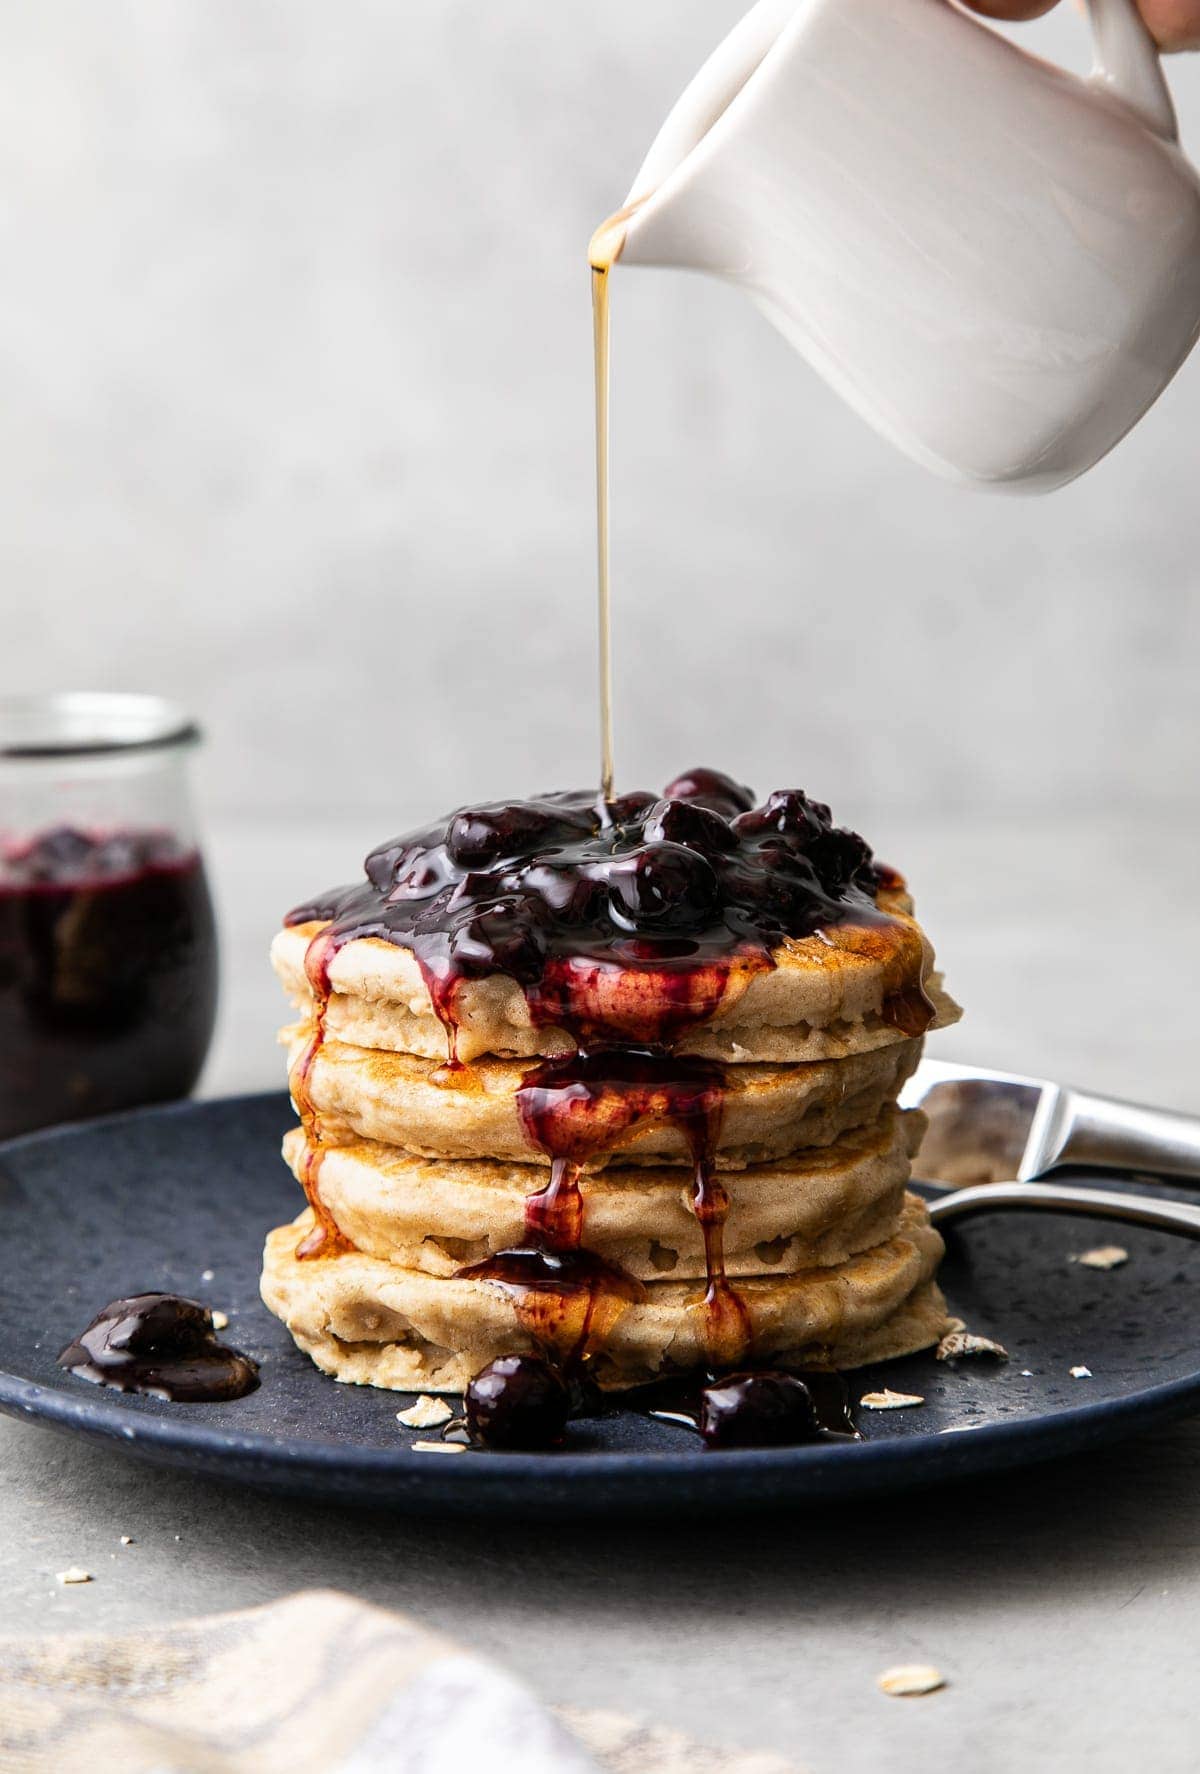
{"x":672,"y":216}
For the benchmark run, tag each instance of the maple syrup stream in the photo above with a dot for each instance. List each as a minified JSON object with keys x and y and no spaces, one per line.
{"x":603,"y":252}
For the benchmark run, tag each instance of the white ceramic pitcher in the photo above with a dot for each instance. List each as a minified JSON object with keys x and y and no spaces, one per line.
{"x":995,"y":262}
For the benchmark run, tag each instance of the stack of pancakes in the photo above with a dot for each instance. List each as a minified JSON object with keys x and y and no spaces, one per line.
{"x":422,"y":1171}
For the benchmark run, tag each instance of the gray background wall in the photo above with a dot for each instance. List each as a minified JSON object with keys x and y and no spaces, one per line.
{"x":295,"y":422}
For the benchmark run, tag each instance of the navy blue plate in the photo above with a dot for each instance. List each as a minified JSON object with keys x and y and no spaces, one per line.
{"x":159,"y":1198}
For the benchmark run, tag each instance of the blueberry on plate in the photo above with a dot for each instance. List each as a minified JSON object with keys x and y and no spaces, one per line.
{"x":519,"y":1403}
{"x":766,"y":1410}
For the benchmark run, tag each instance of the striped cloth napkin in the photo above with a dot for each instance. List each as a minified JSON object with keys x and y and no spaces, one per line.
{"x":315,"y":1684}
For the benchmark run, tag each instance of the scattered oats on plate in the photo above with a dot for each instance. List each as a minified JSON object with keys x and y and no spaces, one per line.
{"x":427,"y":1413}
{"x":908,"y":1679}
{"x":74,"y":1574}
{"x":1105,"y":1256}
{"x":890,"y":1401}
{"x":439,"y":1447}
{"x":960,"y":1342}
{"x":1081,"y":1373}
{"x":126,"y":1539}
{"x":220,"y":1321}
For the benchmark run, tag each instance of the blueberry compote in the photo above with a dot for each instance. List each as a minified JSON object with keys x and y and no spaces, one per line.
{"x":108,"y":974}
{"x":161,"y":1344}
{"x":623,"y":921}
{"x":626,"y":923}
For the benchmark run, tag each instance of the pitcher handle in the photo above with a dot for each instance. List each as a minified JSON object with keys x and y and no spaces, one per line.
{"x":1128,"y":64}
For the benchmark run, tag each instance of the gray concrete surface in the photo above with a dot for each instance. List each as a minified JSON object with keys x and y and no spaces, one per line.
{"x":1063,"y":1604}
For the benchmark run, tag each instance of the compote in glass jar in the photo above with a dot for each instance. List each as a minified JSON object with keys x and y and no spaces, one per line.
{"x":108,"y":952}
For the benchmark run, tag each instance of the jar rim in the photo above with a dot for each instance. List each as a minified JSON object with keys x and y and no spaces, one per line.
{"x":91,"y":723}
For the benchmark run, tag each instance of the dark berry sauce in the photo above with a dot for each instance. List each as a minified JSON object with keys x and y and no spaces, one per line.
{"x":325,"y":1239}
{"x":161,"y":1344}
{"x":577,"y":1108}
{"x":108,"y":974}
{"x":769,"y":1407}
{"x":567,"y":1302}
{"x":624,"y":922}
{"x":514,"y":1404}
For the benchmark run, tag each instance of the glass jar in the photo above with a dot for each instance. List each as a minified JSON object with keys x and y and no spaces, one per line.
{"x":108,"y":950}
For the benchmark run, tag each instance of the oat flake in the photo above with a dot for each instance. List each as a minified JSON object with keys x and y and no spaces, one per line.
{"x":427,"y":1413}
{"x":910,"y":1679}
{"x":957,"y":1343}
{"x":890,"y":1401}
{"x":1105,"y":1256}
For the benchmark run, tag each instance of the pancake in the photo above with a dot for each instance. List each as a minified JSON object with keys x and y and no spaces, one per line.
{"x":851,"y":988}
{"x":369,"y":1322}
{"x":438,"y":1216}
{"x":471,"y":1112}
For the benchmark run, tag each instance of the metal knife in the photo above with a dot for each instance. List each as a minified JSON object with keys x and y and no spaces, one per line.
{"x":991,"y":1127}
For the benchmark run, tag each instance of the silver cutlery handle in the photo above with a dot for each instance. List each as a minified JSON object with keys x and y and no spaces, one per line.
{"x":1102,"y":1204}
{"x":1124,"y":1136}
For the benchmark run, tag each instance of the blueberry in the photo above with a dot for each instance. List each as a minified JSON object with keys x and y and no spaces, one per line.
{"x":662,"y":885}
{"x":559,"y":890}
{"x":629,"y":809}
{"x":690,"y":823}
{"x":841,"y":857}
{"x":790,"y":813}
{"x":783,"y":858}
{"x":768,"y":1410}
{"x":567,"y":898}
{"x":781,"y":884}
{"x":388,"y":862}
{"x":711,"y":788}
{"x":422,"y":875}
{"x":518,"y":1402}
{"x":62,"y":854}
{"x":480,"y":836}
{"x":502,"y":937}
{"x":123,"y":853}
